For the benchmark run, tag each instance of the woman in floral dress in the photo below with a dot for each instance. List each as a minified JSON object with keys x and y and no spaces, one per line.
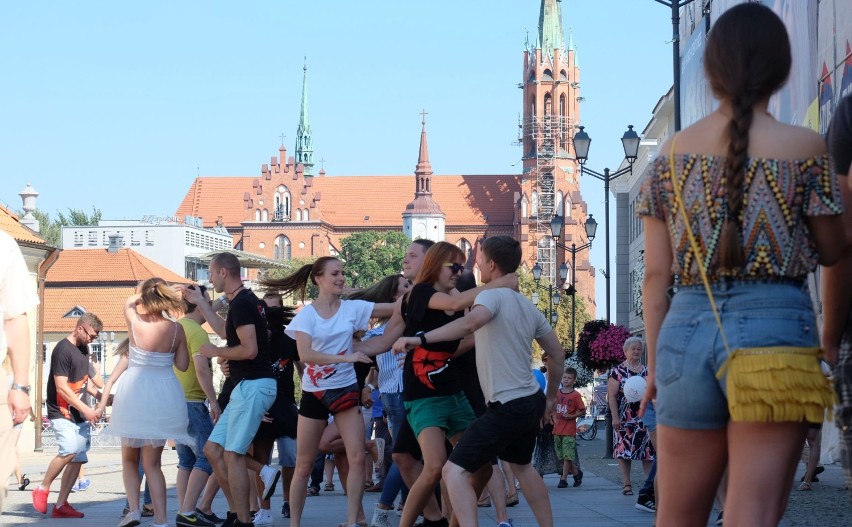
{"x":631,"y":439}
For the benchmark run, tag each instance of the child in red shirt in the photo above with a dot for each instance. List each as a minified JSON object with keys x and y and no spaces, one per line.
{"x":569,"y":406}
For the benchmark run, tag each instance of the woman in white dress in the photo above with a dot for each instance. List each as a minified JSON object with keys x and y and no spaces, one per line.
{"x":149,"y":406}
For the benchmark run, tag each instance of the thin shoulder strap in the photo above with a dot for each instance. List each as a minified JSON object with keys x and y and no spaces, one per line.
{"x":692,"y":242}
{"x":174,"y":337}
{"x":133,"y":331}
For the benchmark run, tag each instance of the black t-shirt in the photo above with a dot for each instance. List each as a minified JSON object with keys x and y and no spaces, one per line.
{"x":285,"y":355}
{"x":465,"y":365}
{"x":67,"y":360}
{"x":247,"y":309}
{"x":840,"y":136}
{"x":427,"y":371}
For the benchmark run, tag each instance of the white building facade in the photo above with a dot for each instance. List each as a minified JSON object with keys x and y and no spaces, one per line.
{"x":172,"y":242}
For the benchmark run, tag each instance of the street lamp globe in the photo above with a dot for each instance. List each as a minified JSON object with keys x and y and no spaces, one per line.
{"x":535,"y":298}
{"x":582,"y":141}
{"x":556,"y":224}
{"x":536,"y":271}
{"x":553,"y":318}
{"x":591,"y":228}
{"x":563,"y":271}
{"x":556,"y":298}
{"x":630,"y":142}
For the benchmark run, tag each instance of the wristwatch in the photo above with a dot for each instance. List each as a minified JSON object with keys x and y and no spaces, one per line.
{"x":371,"y":387}
{"x":422,"y":335}
{"x":21,"y":388}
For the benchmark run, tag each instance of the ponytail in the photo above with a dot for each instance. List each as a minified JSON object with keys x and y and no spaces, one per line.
{"x":294,"y":283}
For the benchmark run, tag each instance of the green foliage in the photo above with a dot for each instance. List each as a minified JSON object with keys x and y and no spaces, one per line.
{"x":79,"y":217}
{"x":527,"y":286}
{"x":370,"y":256}
{"x":49,"y":230}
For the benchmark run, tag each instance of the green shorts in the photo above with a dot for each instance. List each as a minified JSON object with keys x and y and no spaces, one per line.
{"x":452,"y":413}
{"x":566,"y":447}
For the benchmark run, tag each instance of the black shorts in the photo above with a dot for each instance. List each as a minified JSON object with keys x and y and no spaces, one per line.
{"x":507,"y":431}
{"x":406,"y":443}
{"x":319,"y":405}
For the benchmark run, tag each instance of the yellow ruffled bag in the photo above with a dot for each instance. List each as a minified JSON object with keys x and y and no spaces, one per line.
{"x":770,"y":384}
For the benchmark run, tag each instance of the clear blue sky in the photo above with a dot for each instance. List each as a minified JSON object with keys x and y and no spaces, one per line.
{"x":114,"y":104}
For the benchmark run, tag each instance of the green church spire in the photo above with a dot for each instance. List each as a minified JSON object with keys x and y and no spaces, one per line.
{"x":304,"y":141}
{"x":550,"y":35}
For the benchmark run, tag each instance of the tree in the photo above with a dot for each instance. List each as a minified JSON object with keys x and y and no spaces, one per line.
{"x":371,"y":255}
{"x":527,"y":286}
{"x":78,"y":217}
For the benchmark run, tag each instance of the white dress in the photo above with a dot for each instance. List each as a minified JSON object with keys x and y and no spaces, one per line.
{"x":149,"y":406}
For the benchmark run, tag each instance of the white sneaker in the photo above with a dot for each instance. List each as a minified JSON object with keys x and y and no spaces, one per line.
{"x":380,"y":449}
{"x":270,"y":476}
{"x":131,"y":519}
{"x":381,"y":518}
{"x":263,"y":517}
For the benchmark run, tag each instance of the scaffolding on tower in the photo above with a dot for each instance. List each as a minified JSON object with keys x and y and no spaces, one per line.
{"x":544,"y":139}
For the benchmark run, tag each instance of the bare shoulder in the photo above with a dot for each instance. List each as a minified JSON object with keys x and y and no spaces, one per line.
{"x":799,"y":142}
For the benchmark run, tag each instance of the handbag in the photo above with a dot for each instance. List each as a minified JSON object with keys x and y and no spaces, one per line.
{"x":544,"y":455}
{"x":763,"y":384}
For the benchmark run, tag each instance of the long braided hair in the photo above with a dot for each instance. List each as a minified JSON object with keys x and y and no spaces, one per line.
{"x":746,"y":60}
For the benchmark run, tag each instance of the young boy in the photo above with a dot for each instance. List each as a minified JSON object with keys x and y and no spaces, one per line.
{"x":569,"y":406}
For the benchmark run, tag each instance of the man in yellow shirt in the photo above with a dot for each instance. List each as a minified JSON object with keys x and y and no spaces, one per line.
{"x":197,"y":383}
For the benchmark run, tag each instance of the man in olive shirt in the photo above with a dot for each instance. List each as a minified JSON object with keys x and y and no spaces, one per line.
{"x":197,"y":384}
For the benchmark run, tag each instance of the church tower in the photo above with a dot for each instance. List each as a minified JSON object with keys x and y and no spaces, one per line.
{"x":304,"y":140}
{"x":550,"y":181}
{"x":423,"y":218}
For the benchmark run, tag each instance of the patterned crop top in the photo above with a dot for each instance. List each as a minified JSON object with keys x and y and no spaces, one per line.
{"x":777,"y":243}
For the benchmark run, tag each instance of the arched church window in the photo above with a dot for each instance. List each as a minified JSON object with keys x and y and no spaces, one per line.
{"x":281,"y":249}
{"x":257,"y":215}
{"x":307,"y":215}
{"x":298,"y":214}
{"x":524,"y":206}
{"x":559,"y":207}
{"x":265,"y":215}
{"x":548,"y":75}
{"x":466,"y":248}
{"x":534,"y":203}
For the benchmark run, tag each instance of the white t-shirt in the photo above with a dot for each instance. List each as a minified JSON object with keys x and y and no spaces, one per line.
{"x":504,"y":345}
{"x":332,"y":336}
{"x":17,"y":288}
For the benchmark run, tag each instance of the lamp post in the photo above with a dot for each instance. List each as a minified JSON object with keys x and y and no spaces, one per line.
{"x":630,"y":142}
{"x":556,"y":225}
{"x":675,"y":6}
{"x":553,"y":296}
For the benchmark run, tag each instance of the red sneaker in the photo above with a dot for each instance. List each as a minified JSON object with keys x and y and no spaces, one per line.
{"x":40,"y":499}
{"x":65,"y":511}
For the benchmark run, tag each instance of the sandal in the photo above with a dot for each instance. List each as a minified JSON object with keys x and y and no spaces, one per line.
{"x":627,"y":490}
{"x":512,"y":500}
{"x":484,"y":501}
{"x":805,"y":486}
{"x":24,"y":482}
{"x":147,"y":511}
{"x":329,"y":487}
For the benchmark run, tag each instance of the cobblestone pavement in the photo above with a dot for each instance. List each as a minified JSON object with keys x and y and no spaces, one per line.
{"x":598,"y":502}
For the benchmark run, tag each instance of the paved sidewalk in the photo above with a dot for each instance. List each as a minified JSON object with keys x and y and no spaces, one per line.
{"x":598,"y":502}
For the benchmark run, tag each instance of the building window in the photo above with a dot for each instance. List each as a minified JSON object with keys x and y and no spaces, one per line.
{"x":282,"y":204}
{"x":524,"y":207}
{"x":466,"y":248}
{"x":281,"y":248}
{"x":534,"y":203}
{"x":256,"y":214}
{"x":298,"y":214}
{"x":265,"y":215}
{"x":307,"y":216}
{"x":78,"y":239}
{"x":559,"y":199}
{"x":93,"y":238}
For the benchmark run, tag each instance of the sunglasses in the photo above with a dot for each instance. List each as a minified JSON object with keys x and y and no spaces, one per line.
{"x":456,"y":268}
{"x":90,"y":335}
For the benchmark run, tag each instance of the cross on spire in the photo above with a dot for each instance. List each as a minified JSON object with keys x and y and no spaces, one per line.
{"x":282,"y":136}
{"x":423,"y":114}
{"x":322,"y":164}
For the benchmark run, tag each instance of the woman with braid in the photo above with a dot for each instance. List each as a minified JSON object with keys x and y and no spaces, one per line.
{"x":763,"y":208}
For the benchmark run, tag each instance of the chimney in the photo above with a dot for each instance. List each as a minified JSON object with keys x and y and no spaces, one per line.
{"x":116,"y":243}
{"x":28,"y":196}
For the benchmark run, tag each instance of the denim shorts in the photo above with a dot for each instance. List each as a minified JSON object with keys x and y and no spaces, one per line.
{"x":200,"y":425}
{"x":690,"y":349}
{"x":237,"y":426}
{"x":650,"y":417}
{"x":287,"y":452}
{"x":73,"y":438}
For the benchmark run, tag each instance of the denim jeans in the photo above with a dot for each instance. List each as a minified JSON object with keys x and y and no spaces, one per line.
{"x":393,"y":484}
{"x":200,"y":425}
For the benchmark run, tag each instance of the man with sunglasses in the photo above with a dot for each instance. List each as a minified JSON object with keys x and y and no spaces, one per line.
{"x":70,"y":416}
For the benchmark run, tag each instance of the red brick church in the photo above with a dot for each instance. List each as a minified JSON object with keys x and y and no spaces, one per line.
{"x":288,"y":211}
